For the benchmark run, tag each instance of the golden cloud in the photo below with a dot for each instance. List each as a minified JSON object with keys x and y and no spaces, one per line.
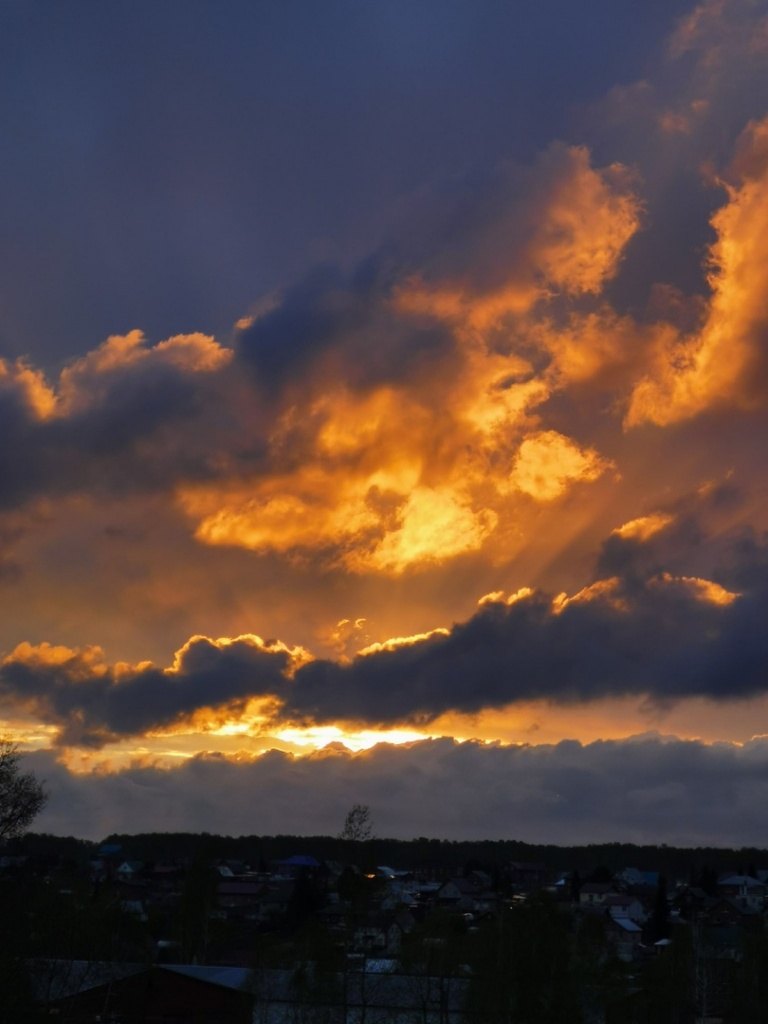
{"x":433,"y":525}
{"x":606,"y":591}
{"x":644,"y":527}
{"x":402,"y":641}
{"x":719,"y":365}
{"x":38,"y":397}
{"x":702,"y":589}
{"x":83,"y":661}
{"x":419,"y":471}
{"x":499,"y":597}
{"x":297,"y":655}
{"x":548,"y":463}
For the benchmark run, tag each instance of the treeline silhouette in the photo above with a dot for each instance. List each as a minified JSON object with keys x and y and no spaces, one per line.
{"x":675,"y":863}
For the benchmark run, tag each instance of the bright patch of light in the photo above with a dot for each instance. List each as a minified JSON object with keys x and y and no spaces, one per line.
{"x":321,"y":735}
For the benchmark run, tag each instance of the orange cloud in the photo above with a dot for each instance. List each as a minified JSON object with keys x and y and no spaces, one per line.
{"x":548,"y":463}
{"x":79,"y":382}
{"x":433,"y":525}
{"x":607,"y":592}
{"x":644,"y":527}
{"x":78,"y":385}
{"x":696,"y":29}
{"x":498,"y":597}
{"x":83,"y":661}
{"x":703,"y":590}
{"x":722,"y":363}
{"x":297,"y":655}
{"x":38,"y":397}
{"x":402,"y":641}
{"x":578,"y":224}
{"x":721,"y":33}
{"x":423,"y":469}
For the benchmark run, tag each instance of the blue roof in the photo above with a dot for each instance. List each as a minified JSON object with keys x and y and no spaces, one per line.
{"x":301,"y":860}
{"x":228,"y":977}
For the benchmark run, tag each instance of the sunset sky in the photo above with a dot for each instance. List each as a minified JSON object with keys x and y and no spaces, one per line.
{"x":383,"y":416}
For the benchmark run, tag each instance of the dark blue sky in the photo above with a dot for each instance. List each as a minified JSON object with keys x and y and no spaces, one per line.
{"x":162,"y":168}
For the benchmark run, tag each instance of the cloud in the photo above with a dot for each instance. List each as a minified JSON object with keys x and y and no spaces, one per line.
{"x":468,"y":408}
{"x":668,"y":638}
{"x":407,"y":413}
{"x":647,"y":789}
{"x":93,"y":703}
{"x":645,"y":630}
{"x":117,"y":420}
{"x":717,"y":31}
{"x":358,"y":416}
{"x":724,"y":363}
{"x":547,"y":463}
{"x":404,"y":416}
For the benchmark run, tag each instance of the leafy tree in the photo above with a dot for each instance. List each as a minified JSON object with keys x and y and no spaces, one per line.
{"x":22,"y":797}
{"x":357,"y":824}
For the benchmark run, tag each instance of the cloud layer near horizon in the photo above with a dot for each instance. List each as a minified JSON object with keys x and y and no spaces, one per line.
{"x":648,"y":789}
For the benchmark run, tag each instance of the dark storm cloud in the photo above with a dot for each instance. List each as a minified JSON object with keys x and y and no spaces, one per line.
{"x":130,"y":435}
{"x":689,"y":544}
{"x":655,"y":638}
{"x":93,"y":704}
{"x":666,"y":637}
{"x":643,"y":790}
{"x":339,"y":327}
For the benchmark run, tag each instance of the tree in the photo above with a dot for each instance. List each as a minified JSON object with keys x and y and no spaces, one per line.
{"x":198,"y":900}
{"x":660,"y":916}
{"x":357,"y":824}
{"x":22,"y":797}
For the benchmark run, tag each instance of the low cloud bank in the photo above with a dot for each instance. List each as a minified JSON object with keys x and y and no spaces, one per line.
{"x":645,"y":789}
{"x":642,"y":631}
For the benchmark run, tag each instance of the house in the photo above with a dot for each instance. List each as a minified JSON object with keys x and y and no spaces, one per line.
{"x":240,"y":899}
{"x":175,"y":994}
{"x":689,"y":901}
{"x":595,"y":893}
{"x":300,"y":864}
{"x":459,"y":893}
{"x":633,"y":877}
{"x":623,"y":905}
{"x":525,"y":874}
{"x":165,"y":878}
{"x":748,"y":891}
{"x":626,"y":937}
{"x":274,"y":899}
{"x":130,"y":870}
{"x":723,"y":911}
{"x":378,"y":934}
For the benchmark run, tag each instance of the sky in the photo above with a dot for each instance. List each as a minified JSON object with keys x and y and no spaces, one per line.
{"x":383,"y":416}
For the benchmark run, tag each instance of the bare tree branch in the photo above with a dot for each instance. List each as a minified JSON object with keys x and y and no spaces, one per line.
{"x":357,"y":824}
{"x":22,"y":797}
